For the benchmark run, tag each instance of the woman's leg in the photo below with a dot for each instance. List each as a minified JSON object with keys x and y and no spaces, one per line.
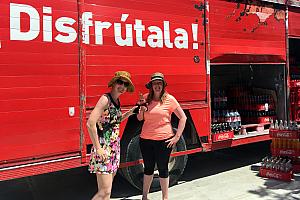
{"x":164,"y":184}
{"x":146,"y":185}
{"x":104,"y":182}
{"x":147,"y":151}
{"x":163,"y":156}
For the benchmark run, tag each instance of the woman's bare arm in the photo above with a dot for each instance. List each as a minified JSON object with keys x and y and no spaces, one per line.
{"x":101,"y":105}
{"x":182,"y":119}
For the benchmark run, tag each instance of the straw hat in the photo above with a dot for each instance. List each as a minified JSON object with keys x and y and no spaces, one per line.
{"x":154,"y":77}
{"x":125,"y":76}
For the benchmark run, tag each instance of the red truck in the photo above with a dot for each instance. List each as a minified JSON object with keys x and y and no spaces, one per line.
{"x":230,"y":64}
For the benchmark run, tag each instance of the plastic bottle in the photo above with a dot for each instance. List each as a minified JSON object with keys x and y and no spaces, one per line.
{"x":232,"y":119}
{"x":238,"y":120}
{"x":227,"y":117}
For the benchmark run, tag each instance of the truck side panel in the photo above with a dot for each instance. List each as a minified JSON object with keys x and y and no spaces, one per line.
{"x":294,"y":22}
{"x":39,"y":82}
{"x":186,"y":79}
{"x":243,"y":32}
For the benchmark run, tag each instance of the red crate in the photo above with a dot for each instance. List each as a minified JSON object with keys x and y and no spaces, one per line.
{"x":222,"y":136}
{"x":286,"y":134}
{"x":283,"y":176}
{"x":296,"y":168}
{"x":295,"y":84}
{"x":285,"y":152}
{"x":264,"y":120}
{"x":260,"y":107}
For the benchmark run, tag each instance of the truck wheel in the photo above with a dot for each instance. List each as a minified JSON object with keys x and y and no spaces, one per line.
{"x":134,"y":174}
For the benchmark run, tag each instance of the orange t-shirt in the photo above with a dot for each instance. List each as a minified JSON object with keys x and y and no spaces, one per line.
{"x":157,"y":124}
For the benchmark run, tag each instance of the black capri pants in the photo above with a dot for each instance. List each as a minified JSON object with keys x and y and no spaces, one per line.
{"x":155,"y":151}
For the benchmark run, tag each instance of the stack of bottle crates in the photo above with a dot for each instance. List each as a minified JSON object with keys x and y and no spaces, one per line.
{"x":285,"y":150}
{"x":225,"y":122}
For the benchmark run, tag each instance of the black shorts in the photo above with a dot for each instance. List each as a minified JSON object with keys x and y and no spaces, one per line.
{"x":155,"y":152}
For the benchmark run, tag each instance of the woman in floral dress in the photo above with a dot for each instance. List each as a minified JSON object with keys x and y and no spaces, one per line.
{"x":103,"y":127}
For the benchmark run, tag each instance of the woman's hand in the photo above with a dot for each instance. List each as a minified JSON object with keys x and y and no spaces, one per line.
{"x":102,"y":154}
{"x":134,"y":110}
{"x":172,"y":141}
{"x":143,"y":108}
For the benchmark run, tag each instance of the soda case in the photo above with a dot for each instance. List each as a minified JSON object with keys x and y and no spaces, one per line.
{"x":228,"y":135}
{"x":255,"y":109}
{"x":286,"y":143}
{"x":228,"y":117}
{"x":283,"y":176}
{"x":276,"y":168}
{"x":221,"y":132}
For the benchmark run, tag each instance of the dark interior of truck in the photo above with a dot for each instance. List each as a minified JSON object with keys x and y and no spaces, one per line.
{"x":294,"y":58}
{"x":247,"y":98}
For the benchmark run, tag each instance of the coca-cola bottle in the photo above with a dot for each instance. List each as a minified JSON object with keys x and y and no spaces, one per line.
{"x":285,"y":125}
{"x":276,"y":125}
{"x":281,"y":127}
{"x":290,"y":127}
{"x":232,"y":119}
{"x":288,"y":166}
{"x":271,"y":124}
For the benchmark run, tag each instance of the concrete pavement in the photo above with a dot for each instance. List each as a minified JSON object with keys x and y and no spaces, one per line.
{"x":237,"y":184}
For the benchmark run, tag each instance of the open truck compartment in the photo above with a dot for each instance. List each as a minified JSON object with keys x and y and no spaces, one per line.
{"x":246,"y":98}
{"x":294,"y":62}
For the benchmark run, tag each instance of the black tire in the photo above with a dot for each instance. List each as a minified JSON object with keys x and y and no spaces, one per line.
{"x":134,"y":174}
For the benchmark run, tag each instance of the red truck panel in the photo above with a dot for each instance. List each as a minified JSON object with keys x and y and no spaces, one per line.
{"x":186,"y":79}
{"x":294,"y":22}
{"x":244,"y":33}
{"x":38,"y":83}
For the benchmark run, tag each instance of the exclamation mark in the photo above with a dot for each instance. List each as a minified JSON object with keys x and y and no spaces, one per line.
{"x":195,"y":35}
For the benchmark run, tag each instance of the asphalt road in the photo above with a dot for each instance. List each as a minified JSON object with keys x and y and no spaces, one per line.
{"x":78,"y":184}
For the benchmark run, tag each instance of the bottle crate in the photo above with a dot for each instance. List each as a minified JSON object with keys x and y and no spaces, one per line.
{"x":285,"y":134}
{"x":285,"y":152}
{"x":278,"y":175}
{"x":228,"y":135}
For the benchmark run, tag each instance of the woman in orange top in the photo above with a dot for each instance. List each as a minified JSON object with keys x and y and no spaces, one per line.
{"x":157,"y":137}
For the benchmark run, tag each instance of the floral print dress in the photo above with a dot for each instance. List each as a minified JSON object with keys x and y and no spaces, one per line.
{"x":108,"y":133}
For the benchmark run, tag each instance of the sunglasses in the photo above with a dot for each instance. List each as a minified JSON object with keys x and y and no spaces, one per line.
{"x":121,"y":82}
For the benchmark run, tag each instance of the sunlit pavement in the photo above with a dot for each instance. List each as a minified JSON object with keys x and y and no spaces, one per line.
{"x":237,"y":184}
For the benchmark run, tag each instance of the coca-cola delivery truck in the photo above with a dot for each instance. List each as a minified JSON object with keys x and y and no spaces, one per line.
{"x":232,"y":64}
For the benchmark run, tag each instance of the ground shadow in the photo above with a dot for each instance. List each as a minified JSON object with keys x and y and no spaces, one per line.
{"x":290,"y":190}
